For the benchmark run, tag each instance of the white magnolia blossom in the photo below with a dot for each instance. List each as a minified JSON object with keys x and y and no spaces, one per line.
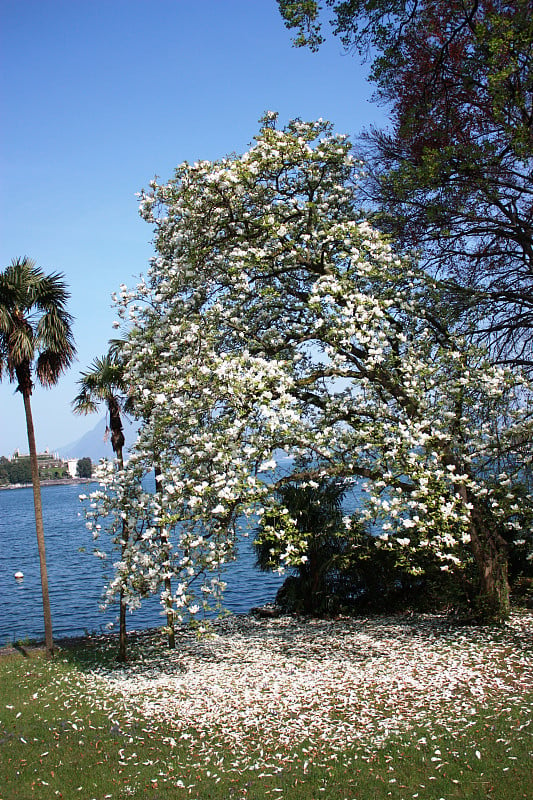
{"x":276,"y":323}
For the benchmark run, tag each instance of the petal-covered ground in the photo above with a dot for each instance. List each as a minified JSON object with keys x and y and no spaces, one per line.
{"x":296,"y":683}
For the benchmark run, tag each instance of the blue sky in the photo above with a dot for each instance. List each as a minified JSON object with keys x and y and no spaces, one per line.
{"x":97,"y":97}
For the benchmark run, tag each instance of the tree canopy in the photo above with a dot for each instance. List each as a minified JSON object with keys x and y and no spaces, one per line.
{"x":84,"y":468}
{"x":34,"y":325}
{"x":17,"y":471}
{"x":104,"y":383}
{"x":275,"y":323}
{"x":452,"y":175}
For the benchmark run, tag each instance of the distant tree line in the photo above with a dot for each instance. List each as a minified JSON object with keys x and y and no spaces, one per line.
{"x":19,"y":470}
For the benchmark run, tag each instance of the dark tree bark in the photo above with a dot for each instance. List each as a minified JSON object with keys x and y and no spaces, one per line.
{"x":39,"y":527}
{"x":490,"y":553}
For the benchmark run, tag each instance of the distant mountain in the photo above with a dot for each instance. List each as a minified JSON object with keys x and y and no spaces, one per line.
{"x":96,"y":444}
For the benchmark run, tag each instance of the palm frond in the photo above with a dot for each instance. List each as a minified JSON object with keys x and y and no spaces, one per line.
{"x":50,"y":365}
{"x":52,"y":294}
{"x":103,"y":382}
{"x":34,"y":323}
{"x":20,"y":344}
{"x":84,"y":403}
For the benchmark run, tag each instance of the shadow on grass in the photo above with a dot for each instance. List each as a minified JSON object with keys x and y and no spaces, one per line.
{"x":291,"y":637}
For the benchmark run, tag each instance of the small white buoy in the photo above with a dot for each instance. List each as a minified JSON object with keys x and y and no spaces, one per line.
{"x":19,"y":575}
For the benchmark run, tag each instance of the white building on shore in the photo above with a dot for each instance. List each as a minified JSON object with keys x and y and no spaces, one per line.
{"x":72,"y":464}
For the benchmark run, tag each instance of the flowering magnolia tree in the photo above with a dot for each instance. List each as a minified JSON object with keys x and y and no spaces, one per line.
{"x":273,"y":320}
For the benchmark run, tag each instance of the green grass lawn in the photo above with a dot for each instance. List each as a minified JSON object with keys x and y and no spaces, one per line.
{"x":81,"y":726}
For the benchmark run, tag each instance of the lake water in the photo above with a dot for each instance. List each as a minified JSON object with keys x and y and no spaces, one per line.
{"x":75,"y":578}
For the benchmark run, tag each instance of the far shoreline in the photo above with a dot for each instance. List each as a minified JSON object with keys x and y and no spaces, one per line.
{"x":49,"y":482}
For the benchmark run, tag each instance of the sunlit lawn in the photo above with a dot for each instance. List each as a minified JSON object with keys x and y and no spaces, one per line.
{"x":364,"y":708}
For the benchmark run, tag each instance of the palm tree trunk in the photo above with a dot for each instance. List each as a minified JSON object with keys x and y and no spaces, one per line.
{"x":39,"y":527}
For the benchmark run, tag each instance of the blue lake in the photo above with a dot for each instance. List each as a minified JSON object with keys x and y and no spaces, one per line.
{"x":75,"y":578}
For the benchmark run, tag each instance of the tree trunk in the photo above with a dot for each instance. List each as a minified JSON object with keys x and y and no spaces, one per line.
{"x":490,"y":554}
{"x":170,"y":618}
{"x":122,"y":635}
{"x":167,"y":583}
{"x":39,"y":527}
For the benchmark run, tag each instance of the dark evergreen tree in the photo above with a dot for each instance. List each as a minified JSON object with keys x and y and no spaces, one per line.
{"x":84,"y":468}
{"x":452,"y":175}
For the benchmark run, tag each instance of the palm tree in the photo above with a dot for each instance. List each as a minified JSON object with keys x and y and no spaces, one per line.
{"x":34,"y":324}
{"x":104,"y":383}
